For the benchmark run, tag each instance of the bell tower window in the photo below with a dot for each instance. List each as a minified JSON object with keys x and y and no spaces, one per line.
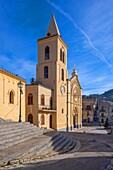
{"x":46,"y":72}
{"x":47,"y":53}
{"x":62,"y":74}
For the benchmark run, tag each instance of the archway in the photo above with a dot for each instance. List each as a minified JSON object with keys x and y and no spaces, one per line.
{"x":30,"y":118}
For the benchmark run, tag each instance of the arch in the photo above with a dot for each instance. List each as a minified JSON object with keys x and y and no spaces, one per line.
{"x":30,"y":118}
{"x":30,"y":99}
{"x":42,"y":119}
{"x":62,"y":74}
{"x":42,"y":99}
{"x":47,"y":53}
{"x":11,"y":97}
{"x":46,"y":72}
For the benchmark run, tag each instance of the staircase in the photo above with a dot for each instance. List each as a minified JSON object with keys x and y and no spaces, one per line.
{"x":23,"y":142}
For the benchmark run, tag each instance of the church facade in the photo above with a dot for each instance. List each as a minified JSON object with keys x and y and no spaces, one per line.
{"x":53,"y":100}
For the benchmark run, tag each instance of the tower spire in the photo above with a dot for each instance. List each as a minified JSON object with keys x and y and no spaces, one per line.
{"x":53,"y":28}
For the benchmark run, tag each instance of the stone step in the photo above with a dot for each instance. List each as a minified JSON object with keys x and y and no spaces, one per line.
{"x":19,"y":151}
{"x":57,"y":144}
{"x":14,"y":136}
{"x":62,"y":144}
{"x":13,"y":124}
{"x":18,"y":126}
{"x":19,"y":139}
{"x":12,"y":131}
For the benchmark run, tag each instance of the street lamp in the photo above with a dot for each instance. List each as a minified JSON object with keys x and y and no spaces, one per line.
{"x":20,"y":85}
{"x":67,"y":127}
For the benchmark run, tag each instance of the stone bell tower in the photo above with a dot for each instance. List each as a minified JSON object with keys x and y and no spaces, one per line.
{"x":51,"y":70}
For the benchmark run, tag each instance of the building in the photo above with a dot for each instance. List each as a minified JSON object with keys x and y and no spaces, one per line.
{"x":96,"y":111}
{"x":54,"y":100}
{"x":105,"y":110}
{"x":89,"y":110}
{"x":10,"y":96}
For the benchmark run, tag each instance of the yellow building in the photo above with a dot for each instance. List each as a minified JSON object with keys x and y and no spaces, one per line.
{"x":53,"y":100}
{"x":10,"y":97}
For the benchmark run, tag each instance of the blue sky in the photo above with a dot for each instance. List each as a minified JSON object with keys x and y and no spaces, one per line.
{"x":85,"y":26}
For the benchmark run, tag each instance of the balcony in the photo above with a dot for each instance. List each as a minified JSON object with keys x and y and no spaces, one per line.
{"x":46,"y":108}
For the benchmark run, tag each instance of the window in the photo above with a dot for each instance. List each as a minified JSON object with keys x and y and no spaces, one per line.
{"x":51,"y":102}
{"x":42,"y":119}
{"x":88,"y":107}
{"x":47,"y":53}
{"x":88,"y":120}
{"x":87,"y":113}
{"x":30,"y":99}
{"x":62,"y":110}
{"x":46,"y":72}
{"x":61,"y":54}
{"x":102,"y":114}
{"x":11,"y":97}
{"x":42,"y":99}
{"x":102,"y":120}
{"x":62,"y":74}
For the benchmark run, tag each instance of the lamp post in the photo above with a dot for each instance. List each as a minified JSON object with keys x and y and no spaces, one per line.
{"x":67,"y":128}
{"x":20,"y":85}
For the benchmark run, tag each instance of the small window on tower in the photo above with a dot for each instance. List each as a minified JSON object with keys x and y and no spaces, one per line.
{"x":61,"y":54}
{"x":62,"y":74}
{"x":47,"y":53}
{"x":46,"y":72}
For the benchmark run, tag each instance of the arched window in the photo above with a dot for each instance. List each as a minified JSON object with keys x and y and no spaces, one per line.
{"x":61,"y":54}
{"x":47,"y":53}
{"x":42,"y":119}
{"x":46,"y":72}
{"x":42,"y":99}
{"x":11,"y":97}
{"x":30,"y":99}
{"x":62,"y":74}
{"x":30,"y":118}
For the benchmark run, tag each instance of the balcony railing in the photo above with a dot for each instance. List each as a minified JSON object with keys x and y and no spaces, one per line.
{"x":46,"y":107}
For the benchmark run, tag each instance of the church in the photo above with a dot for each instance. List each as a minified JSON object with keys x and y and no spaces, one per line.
{"x":53,"y":100}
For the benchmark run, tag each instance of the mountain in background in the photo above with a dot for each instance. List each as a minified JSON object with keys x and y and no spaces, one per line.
{"x":107,"y":95}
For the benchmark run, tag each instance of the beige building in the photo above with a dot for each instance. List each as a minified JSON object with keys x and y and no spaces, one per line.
{"x":10,"y":97}
{"x":105,"y":110}
{"x":53,"y":100}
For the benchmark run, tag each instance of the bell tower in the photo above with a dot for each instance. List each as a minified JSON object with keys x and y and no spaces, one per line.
{"x":51,"y":70}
